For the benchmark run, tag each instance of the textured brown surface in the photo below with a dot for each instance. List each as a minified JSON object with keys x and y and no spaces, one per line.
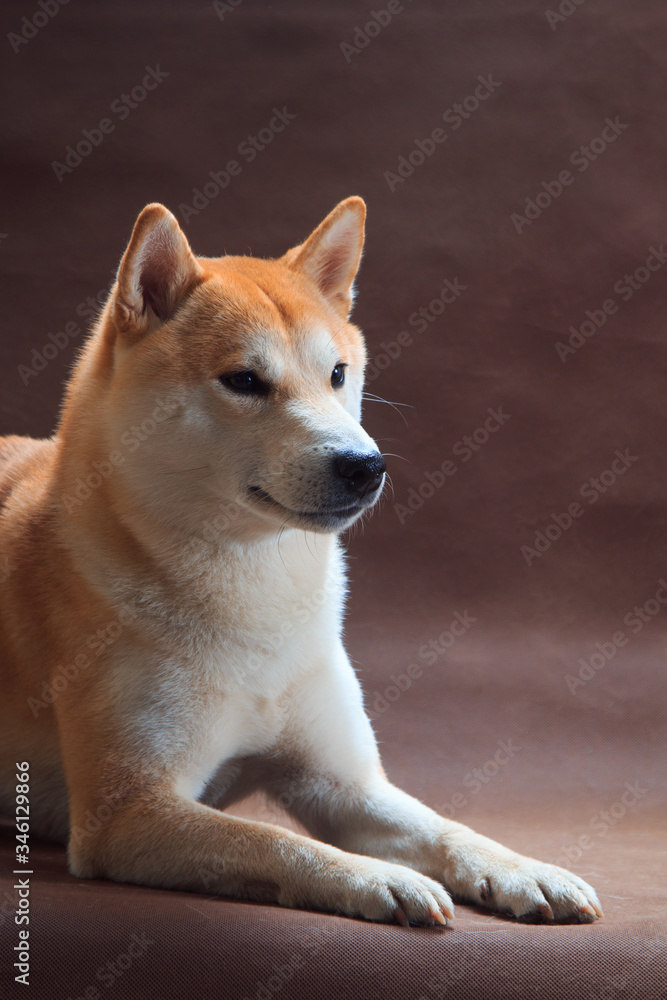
{"x":573,"y":751}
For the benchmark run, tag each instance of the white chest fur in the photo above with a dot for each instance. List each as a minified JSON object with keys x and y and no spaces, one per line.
{"x":228,"y":652}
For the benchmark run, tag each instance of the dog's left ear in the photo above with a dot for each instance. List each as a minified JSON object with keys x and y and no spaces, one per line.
{"x":330,"y":256}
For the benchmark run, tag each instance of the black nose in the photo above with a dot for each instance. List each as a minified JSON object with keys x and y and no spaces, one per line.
{"x":362,"y":473}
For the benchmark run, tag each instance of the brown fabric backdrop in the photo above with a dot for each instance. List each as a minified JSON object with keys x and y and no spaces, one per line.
{"x":554,"y":76}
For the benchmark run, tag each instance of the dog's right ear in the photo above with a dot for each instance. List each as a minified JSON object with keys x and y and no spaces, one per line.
{"x":157,"y":272}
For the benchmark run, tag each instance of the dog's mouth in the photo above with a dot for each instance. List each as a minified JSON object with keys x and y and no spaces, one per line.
{"x":325,"y":517}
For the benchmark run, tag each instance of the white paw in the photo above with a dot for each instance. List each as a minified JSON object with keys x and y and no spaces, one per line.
{"x":529,"y":889}
{"x":378,"y":890}
{"x":391,"y":892}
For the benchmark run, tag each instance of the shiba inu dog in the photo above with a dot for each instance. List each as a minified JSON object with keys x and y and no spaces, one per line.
{"x":169,"y":642}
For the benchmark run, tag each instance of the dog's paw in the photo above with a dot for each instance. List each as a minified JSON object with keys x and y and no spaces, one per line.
{"x":390,"y":892}
{"x":532,"y":890}
{"x":378,"y":890}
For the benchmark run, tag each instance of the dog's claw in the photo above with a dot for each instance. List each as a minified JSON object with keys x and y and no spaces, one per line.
{"x":401,"y":918}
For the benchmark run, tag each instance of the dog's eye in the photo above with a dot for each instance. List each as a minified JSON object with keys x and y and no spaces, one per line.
{"x":246,"y":383}
{"x":338,"y":375}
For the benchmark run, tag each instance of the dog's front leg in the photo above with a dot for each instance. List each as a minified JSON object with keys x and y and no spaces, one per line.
{"x":132,"y":820}
{"x":336,"y":787}
{"x":160,"y":839}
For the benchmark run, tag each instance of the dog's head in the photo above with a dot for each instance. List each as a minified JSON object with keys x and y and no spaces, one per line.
{"x":244,"y":378}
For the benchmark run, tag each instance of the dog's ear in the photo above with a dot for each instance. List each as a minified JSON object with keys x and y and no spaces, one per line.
{"x":157,"y":272}
{"x":331,"y":254}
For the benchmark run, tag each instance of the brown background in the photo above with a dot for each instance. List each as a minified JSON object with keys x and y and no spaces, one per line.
{"x":495,"y":346}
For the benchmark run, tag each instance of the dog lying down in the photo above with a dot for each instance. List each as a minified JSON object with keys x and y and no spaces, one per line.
{"x":150,"y":547}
